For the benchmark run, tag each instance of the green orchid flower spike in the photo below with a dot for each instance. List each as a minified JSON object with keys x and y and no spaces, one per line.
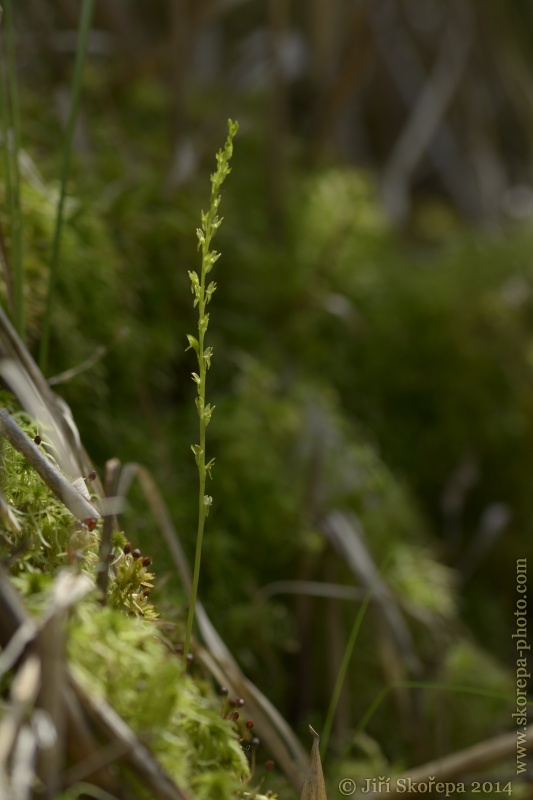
{"x":203,"y":292}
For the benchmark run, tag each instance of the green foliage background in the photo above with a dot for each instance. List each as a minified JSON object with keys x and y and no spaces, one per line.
{"x":356,"y":367}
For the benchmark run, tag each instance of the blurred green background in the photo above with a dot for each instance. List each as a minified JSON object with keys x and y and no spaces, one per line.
{"x":372,"y":327}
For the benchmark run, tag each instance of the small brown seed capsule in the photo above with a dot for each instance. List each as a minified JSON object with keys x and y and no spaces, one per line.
{"x":136,"y":553}
{"x":256,"y":742}
{"x":37,"y":440}
{"x":235,"y":715}
{"x":147,"y":561}
{"x":91,"y":476}
{"x":223,"y":691}
{"x":127,"y":548}
{"x":250,"y":724}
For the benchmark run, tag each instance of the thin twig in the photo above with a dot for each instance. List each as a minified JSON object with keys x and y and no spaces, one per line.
{"x":100,"y":352}
{"x":24,"y":378}
{"x":311,"y":588}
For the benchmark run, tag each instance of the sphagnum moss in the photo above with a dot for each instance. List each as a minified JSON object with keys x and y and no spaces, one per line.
{"x":115,"y":654}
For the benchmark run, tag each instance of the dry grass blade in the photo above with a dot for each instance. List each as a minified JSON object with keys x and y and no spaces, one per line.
{"x":17,"y":629}
{"x":112,"y":471}
{"x":23,"y":695}
{"x":90,"y":761}
{"x":395,"y":645}
{"x":348,"y":540}
{"x":311,"y":588}
{"x":51,"y":647}
{"x":23,"y":764}
{"x":276,"y":734}
{"x":7,"y":517}
{"x":61,"y":487}
{"x":314,"y":787}
{"x":453,"y":767}
{"x":43,"y":401}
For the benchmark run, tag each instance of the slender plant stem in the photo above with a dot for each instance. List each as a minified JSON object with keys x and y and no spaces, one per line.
{"x":202,"y":296}
{"x":341,"y":675}
{"x":83,"y":39}
{"x":11,"y":127}
{"x":200,"y":454}
{"x":201,"y":487}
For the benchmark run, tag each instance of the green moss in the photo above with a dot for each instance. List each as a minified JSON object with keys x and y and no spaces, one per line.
{"x":178,"y":718}
{"x":49,"y":535}
{"x":115,"y":652}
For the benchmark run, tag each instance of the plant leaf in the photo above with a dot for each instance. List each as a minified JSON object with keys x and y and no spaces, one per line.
{"x":314,"y":787}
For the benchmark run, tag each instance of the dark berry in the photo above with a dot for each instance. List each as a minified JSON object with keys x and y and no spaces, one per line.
{"x":256,"y":741}
{"x":91,"y":476}
{"x":269,"y":765}
{"x":147,"y":561}
{"x":237,"y":702}
{"x":235,"y":715}
{"x":91,"y":523}
{"x":146,"y":592}
{"x":127,"y":548}
{"x":223,"y":691}
{"x":190,"y":658}
{"x":250,"y":724}
{"x":37,"y":440}
{"x":136,"y":553}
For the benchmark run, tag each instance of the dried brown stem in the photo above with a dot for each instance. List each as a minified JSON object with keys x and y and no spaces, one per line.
{"x":112,"y":470}
{"x":55,"y":481}
{"x":457,"y":765}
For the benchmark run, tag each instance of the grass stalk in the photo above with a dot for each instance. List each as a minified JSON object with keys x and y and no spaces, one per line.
{"x":202,"y":297}
{"x":11,"y":133}
{"x":341,"y":675}
{"x":81,"y":52}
